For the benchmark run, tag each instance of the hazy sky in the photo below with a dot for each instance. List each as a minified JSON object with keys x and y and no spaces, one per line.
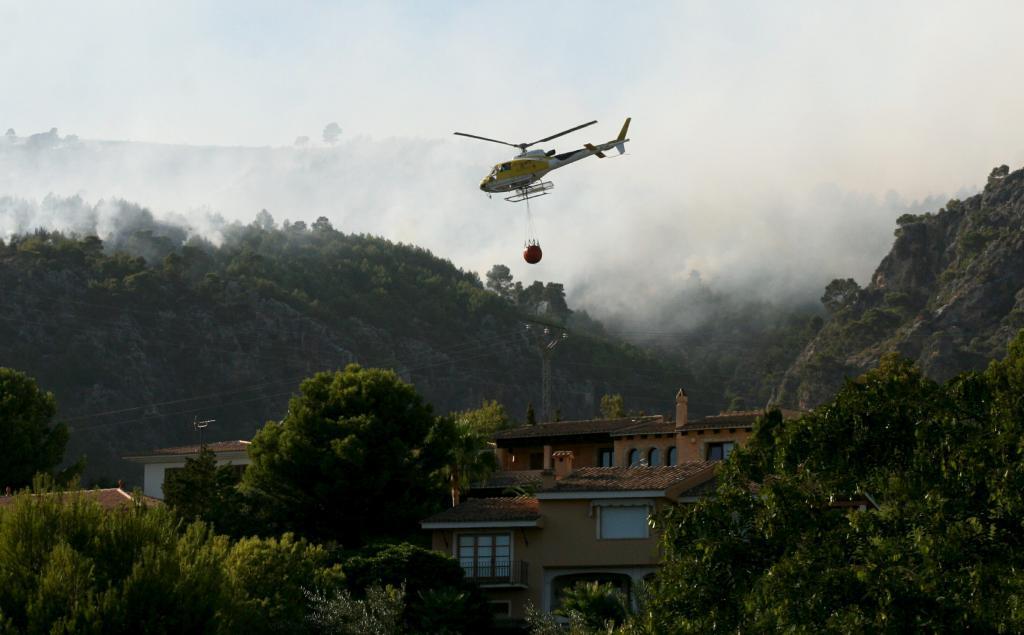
{"x":759,"y":128}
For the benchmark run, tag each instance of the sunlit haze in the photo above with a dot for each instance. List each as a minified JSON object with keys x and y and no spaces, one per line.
{"x":773,"y":145}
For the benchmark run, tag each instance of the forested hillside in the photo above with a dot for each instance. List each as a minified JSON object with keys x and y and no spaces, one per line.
{"x":138,"y":333}
{"x":950,"y":296}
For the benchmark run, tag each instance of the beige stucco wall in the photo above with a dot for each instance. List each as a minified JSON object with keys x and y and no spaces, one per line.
{"x":623,"y":445}
{"x":584,"y":454}
{"x":568,"y":543}
{"x":692,"y":446}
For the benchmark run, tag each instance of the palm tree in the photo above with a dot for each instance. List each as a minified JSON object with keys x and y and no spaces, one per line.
{"x":471,"y":459}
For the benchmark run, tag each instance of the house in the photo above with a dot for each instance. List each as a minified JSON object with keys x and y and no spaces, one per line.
{"x":109,"y":498}
{"x":158,"y":463}
{"x":583,"y":524}
{"x":596,"y":483}
{"x":629,"y":441}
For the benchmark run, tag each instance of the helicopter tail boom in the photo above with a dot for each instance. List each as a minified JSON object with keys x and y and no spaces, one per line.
{"x":621,"y":145}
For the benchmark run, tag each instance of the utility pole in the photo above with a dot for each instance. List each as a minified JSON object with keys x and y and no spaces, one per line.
{"x":199,"y":426}
{"x":546,"y":339}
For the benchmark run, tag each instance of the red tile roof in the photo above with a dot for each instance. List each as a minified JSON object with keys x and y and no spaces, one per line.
{"x":624,"y":479}
{"x":735,"y":419}
{"x":574,"y":428}
{"x":109,"y":498}
{"x":505,"y":509}
{"x":654,"y":426}
{"x":511,"y":478}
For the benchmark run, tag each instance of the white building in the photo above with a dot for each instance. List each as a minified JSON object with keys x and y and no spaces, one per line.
{"x":157,"y":463}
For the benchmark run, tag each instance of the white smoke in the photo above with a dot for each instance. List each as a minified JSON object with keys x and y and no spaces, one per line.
{"x":767,"y":139}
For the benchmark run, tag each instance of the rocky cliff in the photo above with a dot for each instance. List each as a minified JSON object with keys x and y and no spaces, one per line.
{"x":950,"y":295}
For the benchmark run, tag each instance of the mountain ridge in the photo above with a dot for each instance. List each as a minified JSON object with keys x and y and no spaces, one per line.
{"x":133,"y":348}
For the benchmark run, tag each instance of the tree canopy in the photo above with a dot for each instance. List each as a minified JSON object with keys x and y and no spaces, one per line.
{"x":30,"y":442}
{"x":781,"y":547}
{"x":487,"y":419}
{"x":357,"y":456}
{"x":69,"y":566}
{"x":612,"y":406}
{"x":202,"y":490}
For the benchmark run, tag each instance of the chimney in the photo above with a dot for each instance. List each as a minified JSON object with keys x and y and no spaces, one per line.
{"x":681,"y":409}
{"x":563,"y":463}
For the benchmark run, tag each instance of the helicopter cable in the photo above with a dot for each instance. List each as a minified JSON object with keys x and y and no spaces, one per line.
{"x":531,"y":230}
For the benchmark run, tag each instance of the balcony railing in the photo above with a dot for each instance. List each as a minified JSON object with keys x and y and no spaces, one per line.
{"x":509,"y":573}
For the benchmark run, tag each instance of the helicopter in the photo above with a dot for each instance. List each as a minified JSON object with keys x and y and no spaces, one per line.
{"x":524,"y":173}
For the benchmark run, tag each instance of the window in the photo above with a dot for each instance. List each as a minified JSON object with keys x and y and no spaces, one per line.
{"x":606,"y":457}
{"x":634,"y":457}
{"x":505,"y":167}
{"x":719,"y":451}
{"x":670,"y":456}
{"x":623,"y":522}
{"x":485,"y":555}
{"x":654,"y":457}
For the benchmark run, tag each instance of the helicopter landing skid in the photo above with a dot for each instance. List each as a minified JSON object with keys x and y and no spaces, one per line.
{"x":531,"y":191}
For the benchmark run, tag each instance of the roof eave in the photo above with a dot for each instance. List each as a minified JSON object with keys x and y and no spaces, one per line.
{"x":584,"y":494}
{"x":480,"y":524}
{"x":179,"y":458}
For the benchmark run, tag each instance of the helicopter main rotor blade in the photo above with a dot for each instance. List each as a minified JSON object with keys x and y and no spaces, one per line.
{"x":560,"y":133}
{"x":473,"y":136}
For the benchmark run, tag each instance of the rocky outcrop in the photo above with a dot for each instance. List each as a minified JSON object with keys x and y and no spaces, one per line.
{"x":949,"y":295}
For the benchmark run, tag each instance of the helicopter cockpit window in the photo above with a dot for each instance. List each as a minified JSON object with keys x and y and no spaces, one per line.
{"x":506,"y":166}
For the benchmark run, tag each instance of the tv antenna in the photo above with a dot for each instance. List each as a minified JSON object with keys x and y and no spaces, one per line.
{"x":199,"y":426}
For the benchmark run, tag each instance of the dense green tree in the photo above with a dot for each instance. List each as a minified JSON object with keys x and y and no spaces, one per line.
{"x":68,"y":565}
{"x":531,"y":416}
{"x":379,"y":613}
{"x":601,"y":605}
{"x":487,"y":419}
{"x":427,"y":577}
{"x":942,"y":553}
{"x":839,"y":293}
{"x":499,"y":280}
{"x":354,"y":459}
{"x":202,"y":490}
{"x":30,"y":442}
{"x":612,"y":406}
{"x":556,"y":307}
{"x":270,"y":579}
